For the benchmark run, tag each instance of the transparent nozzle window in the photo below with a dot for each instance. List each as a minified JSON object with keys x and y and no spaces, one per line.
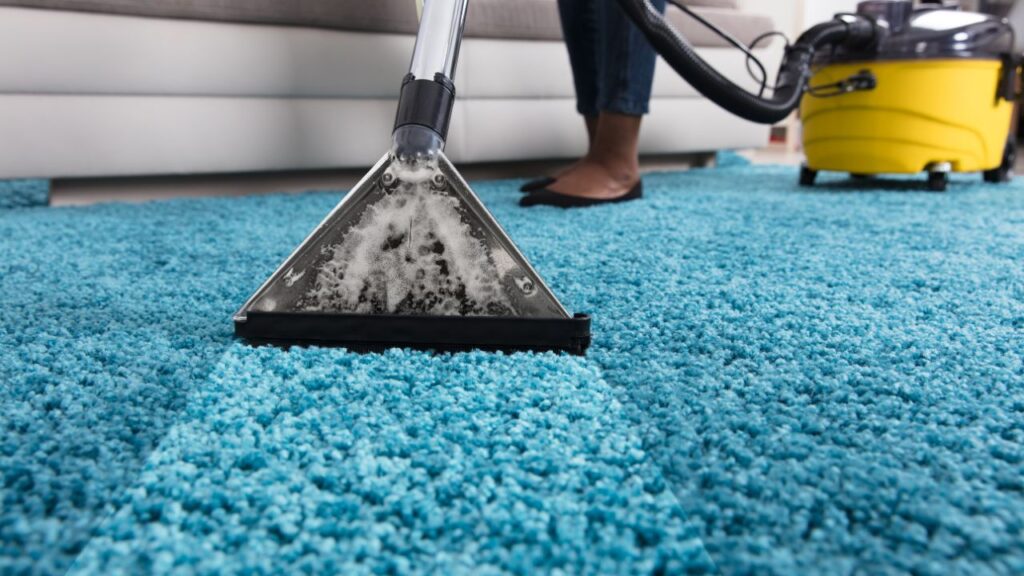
{"x":411,"y":239}
{"x":415,"y":144}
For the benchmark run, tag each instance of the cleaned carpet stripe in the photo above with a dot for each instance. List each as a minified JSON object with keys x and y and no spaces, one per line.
{"x":325,"y":462}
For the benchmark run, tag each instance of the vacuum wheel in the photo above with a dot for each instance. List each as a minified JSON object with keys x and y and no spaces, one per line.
{"x":937,"y":181}
{"x":807,"y":176}
{"x":1004,"y":173}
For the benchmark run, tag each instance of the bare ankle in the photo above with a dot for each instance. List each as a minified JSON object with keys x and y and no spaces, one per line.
{"x":621,"y":169}
{"x":616,"y":146}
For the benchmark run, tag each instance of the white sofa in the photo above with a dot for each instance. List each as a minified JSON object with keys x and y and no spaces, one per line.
{"x":118,"y":87}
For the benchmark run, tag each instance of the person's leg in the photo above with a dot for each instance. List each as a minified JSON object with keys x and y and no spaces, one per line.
{"x":627,"y":62}
{"x":612,"y":167}
{"x":580,"y":28}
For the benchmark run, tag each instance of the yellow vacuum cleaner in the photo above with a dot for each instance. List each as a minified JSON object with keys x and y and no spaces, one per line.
{"x":935,"y":95}
{"x":890,"y":89}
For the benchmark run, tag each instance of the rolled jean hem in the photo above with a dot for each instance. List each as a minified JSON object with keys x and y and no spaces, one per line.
{"x":626,"y":107}
{"x":590,"y":111}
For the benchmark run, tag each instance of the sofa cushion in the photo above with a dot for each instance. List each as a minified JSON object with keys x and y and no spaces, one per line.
{"x":538,"y":20}
{"x":519,"y":19}
{"x":378,"y":15}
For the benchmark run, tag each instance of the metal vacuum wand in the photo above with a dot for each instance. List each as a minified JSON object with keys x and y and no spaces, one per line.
{"x":428,"y":90}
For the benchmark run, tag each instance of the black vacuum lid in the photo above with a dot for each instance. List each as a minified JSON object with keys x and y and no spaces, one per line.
{"x":909,"y":33}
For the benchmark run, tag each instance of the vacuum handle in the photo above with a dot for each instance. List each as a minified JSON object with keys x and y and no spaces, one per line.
{"x":439,"y":38}
{"x":428,"y":91}
{"x":1009,"y":81}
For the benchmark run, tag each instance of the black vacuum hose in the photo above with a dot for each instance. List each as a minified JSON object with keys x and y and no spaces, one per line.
{"x":793,"y":74}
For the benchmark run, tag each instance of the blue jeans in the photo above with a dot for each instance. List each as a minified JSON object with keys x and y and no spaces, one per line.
{"x":612,"y":62}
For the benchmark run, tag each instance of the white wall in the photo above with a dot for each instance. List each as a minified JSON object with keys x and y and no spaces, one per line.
{"x":783,"y":12}
{"x":794,"y":16}
{"x":821,"y":10}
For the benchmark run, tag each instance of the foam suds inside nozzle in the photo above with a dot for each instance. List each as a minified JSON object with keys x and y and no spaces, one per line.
{"x":413,"y":252}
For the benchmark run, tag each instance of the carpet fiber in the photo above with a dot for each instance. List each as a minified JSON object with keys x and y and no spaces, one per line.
{"x":782,"y":381}
{"x":24,"y":193}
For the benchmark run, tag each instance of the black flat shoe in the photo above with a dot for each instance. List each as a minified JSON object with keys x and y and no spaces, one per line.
{"x":545,"y":197}
{"x":538,"y":184}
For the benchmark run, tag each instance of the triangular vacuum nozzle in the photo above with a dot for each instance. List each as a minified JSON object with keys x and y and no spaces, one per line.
{"x":410,"y":258}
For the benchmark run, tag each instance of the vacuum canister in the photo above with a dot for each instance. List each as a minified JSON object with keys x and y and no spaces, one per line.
{"x":934,"y":93}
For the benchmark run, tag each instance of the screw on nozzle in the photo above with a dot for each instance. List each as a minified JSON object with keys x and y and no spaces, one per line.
{"x":440,"y":181}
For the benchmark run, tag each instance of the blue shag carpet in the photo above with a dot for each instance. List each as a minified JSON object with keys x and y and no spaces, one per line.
{"x":783,"y":381}
{"x":24,"y":193}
